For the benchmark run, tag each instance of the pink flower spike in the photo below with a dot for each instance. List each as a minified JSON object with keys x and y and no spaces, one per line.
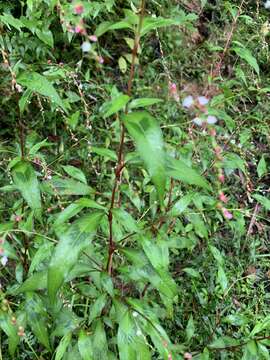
{"x":227,"y":214}
{"x":188,"y":102}
{"x":202,"y":100}
{"x":223,"y":198}
{"x":78,"y":9}
{"x":93,"y":38}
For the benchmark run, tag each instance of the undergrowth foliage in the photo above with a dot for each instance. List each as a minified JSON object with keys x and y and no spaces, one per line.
{"x":134,"y":180}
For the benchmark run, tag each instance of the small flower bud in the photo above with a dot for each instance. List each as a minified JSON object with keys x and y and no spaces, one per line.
{"x":223,"y":197}
{"x":93,"y":38}
{"x":187,"y":356}
{"x":18,"y":218}
{"x":78,"y":9}
{"x":227,"y":214}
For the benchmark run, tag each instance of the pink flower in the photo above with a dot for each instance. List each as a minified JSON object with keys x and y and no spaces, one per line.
{"x":78,"y":9}
{"x":187,"y":356}
{"x":223,"y":197}
{"x":227,"y":214}
{"x":170,"y":357}
{"x":93,"y":38}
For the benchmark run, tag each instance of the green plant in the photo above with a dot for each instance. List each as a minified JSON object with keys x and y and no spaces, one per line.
{"x":124,"y":229}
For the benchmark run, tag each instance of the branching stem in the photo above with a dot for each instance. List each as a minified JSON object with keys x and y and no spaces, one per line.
{"x":120,"y":157}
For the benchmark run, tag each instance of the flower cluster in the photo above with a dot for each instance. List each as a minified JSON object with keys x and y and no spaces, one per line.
{"x":198,"y":105}
{"x":220,"y":176}
{"x":80,"y":28}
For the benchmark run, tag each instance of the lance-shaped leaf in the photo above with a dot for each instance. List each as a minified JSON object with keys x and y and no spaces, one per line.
{"x":37,"y":318}
{"x":41,"y":85}
{"x":67,"y":251}
{"x":10,"y":330}
{"x":25,"y":179}
{"x":179,"y":170}
{"x":85,"y":346}
{"x":145,"y":131}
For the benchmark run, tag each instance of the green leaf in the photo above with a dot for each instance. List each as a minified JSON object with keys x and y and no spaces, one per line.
{"x":264,"y":352}
{"x":152,"y":23}
{"x":191,"y":272}
{"x":25,"y":179}
{"x":75,"y":173}
{"x":233,"y":161}
{"x":97,"y":307}
{"x":44,"y":251}
{"x":37,"y":318}
{"x":126,"y":338}
{"x":72,"y":242}
{"x":114,"y":105}
{"x":106,"y":26}
{"x":99,"y":340}
{"x":24,"y":99}
{"x":122,"y":64}
{"x":66,"y":187}
{"x":147,"y":135}
{"x":246,"y":55}
{"x":262,"y":200}
{"x":180,"y":206}
{"x":260,"y":326}
{"x":85,"y":346}
{"x":73,"y":120}
{"x":37,"y":281}
{"x":143,"y":102}
{"x":10,"y":330}
{"x":224,"y":341}
{"x":178,"y":170}
{"x":10,"y":20}
{"x":62,"y":347}
{"x":74,"y":208}
{"x":104,"y":152}
{"x":39,"y":83}
{"x":46,"y":36}
{"x":222,"y":278}
{"x":190,"y":329}
{"x":262,"y":167}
